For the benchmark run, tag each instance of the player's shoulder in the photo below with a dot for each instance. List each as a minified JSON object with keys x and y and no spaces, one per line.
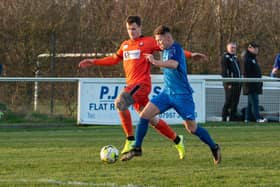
{"x":147,"y":39}
{"x":141,"y":39}
{"x":176,"y":45}
{"x":125,"y":42}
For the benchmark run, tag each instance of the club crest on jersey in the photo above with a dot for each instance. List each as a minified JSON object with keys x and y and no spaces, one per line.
{"x":132,"y":54}
{"x":141,"y":43}
{"x":125,"y":47}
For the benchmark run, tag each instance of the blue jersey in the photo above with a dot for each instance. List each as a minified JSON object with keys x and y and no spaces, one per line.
{"x":177,"y":92}
{"x":176,"y":80}
{"x":277,"y":62}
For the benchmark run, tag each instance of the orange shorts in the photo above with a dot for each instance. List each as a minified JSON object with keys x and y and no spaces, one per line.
{"x":141,"y":96}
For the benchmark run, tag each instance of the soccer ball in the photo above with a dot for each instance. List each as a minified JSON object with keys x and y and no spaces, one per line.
{"x":109,"y":154}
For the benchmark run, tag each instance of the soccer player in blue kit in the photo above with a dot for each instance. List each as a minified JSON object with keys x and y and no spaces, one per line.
{"x":176,"y":94}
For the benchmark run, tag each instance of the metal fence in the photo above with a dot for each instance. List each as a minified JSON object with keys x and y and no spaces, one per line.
{"x":58,"y":96}
{"x":269,"y":101}
{"x":48,"y":95}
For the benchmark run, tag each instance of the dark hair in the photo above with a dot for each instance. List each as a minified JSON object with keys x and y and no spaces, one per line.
{"x":162,"y":29}
{"x":133,"y":19}
{"x":231,"y":43}
{"x":253,"y":44}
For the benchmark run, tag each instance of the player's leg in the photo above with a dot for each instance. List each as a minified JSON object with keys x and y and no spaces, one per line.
{"x":141,"y":100}
{"x":205,"y":137}
{"x":126,"y":123}
{"x":122,"y":102}
{"x":164,"y":129}
{"x":148,"y":112}
{"x":186,"y":109}
{"x":158,"y":104}
{"x":163,"y":103}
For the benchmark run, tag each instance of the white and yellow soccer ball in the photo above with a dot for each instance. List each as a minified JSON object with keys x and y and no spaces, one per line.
{"x":109,"y":154}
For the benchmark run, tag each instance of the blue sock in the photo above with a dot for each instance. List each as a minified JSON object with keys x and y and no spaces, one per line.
{"x":141,"y":130}
{"x":205,"y":137}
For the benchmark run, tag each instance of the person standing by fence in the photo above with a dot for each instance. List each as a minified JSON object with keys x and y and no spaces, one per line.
{"x":252,"y":89}
{"x":230,"y":68}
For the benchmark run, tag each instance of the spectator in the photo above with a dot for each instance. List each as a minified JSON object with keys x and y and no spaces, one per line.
{"x":231,"y":69}
{"x":276,"y":65}
{"x":252,"y":89}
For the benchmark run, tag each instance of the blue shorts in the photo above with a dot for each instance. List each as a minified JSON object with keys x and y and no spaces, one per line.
{"x":182,"y":104}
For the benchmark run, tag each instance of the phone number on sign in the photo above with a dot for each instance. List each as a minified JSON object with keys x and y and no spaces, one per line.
{"x":169,"y":115}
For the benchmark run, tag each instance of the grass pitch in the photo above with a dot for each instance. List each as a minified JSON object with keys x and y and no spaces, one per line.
{"x":69,"y":156}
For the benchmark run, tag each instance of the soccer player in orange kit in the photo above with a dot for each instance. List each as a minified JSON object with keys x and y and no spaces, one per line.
{"x":137,"y":72}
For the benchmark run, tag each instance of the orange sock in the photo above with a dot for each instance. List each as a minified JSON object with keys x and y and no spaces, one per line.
{"x":165,"y":130}
{"x":125,"y":118}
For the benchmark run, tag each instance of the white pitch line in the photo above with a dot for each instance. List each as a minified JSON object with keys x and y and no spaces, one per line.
{"x":72,"y":183}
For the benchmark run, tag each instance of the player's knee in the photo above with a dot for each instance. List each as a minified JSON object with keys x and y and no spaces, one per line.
{"x":190,"y":126}
{"x":120,"y":105}
{"x":123,"y":101}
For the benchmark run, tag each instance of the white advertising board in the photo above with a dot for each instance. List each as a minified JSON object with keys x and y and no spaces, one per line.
{"x":97,"y":95}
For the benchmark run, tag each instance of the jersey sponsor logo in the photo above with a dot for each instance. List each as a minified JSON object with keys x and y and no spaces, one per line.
{"x":131,"y":55}
{"x":168,"y":53}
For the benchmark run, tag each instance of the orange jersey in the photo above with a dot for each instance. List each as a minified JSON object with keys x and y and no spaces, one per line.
{"x":136,"y":67}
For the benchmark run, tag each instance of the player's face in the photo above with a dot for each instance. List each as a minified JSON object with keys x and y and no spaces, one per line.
{"x":162,"y":41}
{"x":133,"y":30}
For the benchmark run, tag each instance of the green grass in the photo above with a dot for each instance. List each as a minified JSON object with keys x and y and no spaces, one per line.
{"x":33,"y":117}
{"x":68,"y":155}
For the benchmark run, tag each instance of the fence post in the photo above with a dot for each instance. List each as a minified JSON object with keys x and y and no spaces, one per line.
{"x":53,"y":69}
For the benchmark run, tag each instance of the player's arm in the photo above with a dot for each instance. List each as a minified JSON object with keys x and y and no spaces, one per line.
{"x":106,"y":61}
{"x":188,"y":54}
{"x":276,"y":66}
{"x":273,"y":72}
{"x":195,"y":56}
{"x":164,"y":64}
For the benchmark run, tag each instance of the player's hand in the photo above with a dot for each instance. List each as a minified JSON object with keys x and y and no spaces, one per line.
{"x":199,"y":56}
{"x":86,"y":63}
{"x":149,"y":57}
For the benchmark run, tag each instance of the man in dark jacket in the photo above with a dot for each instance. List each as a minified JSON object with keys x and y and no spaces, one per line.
{"x":252,"y":89}
{"x":231,"y":69}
